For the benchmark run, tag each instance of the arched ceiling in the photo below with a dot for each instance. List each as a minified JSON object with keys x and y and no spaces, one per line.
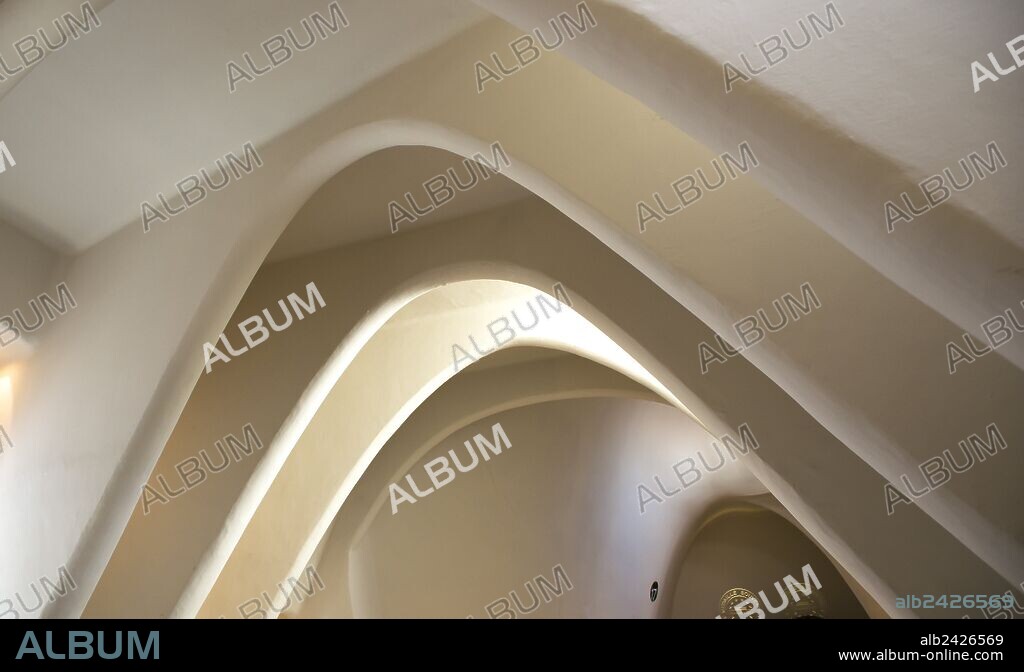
{"x":97,"y":133}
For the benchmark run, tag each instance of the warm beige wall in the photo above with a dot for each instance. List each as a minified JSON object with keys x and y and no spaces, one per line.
{"x":830,"y":491}
{"x":494,"y":525}
{"x":508,"y":380}
{"x":743,"y":546}
{"x":19,"y":18}
{"x":403,"y":364}
{"x":565,"y":493}
{"x":832,"y":147}
{"x":851,"y":371}
{"x":407,"y":358}
{"x":30,"y":268}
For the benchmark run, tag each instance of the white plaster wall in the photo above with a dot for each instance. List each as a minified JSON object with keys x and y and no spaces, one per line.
{"x":499,"y":383}
{"x":407,"y":358}
{"x":852,"y":121}
{"x":29,"y":269}
{"x":844,"y":508}
{"x":492,"y":529}
{"x":403,"y":365}
{"x":846,"y":503}
{"x":19,"y":18}
{"x":181,"y":284}
{"x":565,"y":493}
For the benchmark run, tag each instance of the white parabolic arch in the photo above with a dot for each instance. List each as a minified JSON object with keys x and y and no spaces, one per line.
{"x":297,"y":185}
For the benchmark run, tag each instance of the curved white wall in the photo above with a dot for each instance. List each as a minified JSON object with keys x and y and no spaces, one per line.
{"x":564,"y":494}
{"x":832,"y":508}
{"x":833,"y":148}
{"x":869,"y":377}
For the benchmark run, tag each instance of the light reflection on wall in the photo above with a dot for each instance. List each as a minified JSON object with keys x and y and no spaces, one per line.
{"x":6,"y":399}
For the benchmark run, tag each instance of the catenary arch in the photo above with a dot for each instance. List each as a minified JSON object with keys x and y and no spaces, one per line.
{"x":641,"y":443}
{"x":341,"y":459}
{"x":659,"y":439}
{"x":150,"y":538}
{"x":596,"y":276}
{"x":264,"y":203}
{"x":364,"y":328}
{"x":223,"y":294}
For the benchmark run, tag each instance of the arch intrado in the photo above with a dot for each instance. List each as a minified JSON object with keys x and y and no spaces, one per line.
{"x":828,"y":489}
{"x":222,"y":245}
{"x":492,"y":394}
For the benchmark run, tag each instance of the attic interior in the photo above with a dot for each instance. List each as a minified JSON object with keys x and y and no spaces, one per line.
{"x":511,"y":309}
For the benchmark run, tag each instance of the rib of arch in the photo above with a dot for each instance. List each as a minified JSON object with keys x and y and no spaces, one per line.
{"x":831,"y":492}
{"x":473,"y":396}
{"x":303,"y":160}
